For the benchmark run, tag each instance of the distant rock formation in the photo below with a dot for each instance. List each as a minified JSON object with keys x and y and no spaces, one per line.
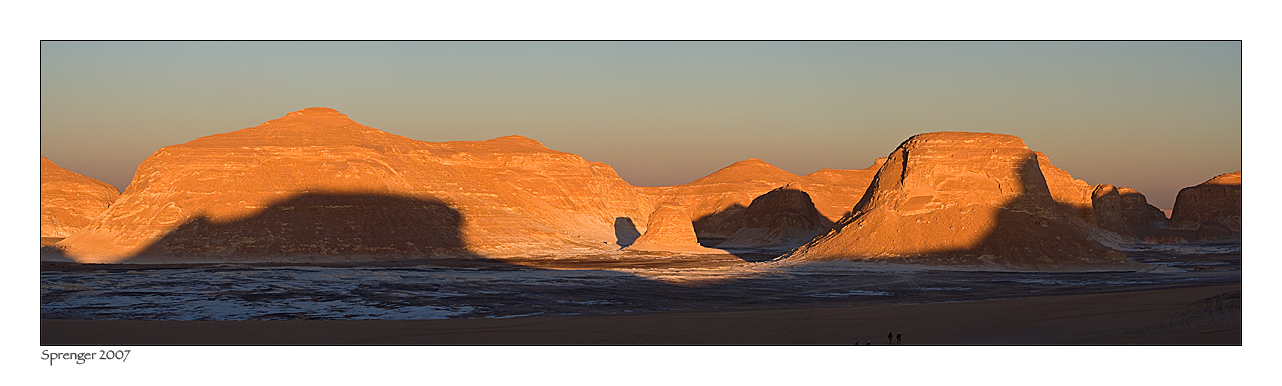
{"x":836,"y":191}
{"x":670,"y":230}
{"x":783,"y":217}
{"x":725,"y":194}
{"x":957,"y":198}
{"x":1216,"y":200}
{"x":1072,"y":196}
{"x":717,"y":197}
{"x":1106,"y":205}
{"x":70,"y":201}
{"x":315,"y":183}
{"x":1137,"y":212}
{"x":1101,"y":206}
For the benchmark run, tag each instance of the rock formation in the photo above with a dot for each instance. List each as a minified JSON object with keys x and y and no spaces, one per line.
{"x":965,"y":199}
{"x":836,"y":191}
{"x":713,"y":199}
{"x":1106,"y":209}
{"x":70,"y":201}
{"x":1137,"y":212}
{"x":315,"y":183}
{"x":718,"y":197}
{"x":1216,"y":200}
{"x":1100,"y":206}
{"x":783,"y":217}
{"x":1103,"y":206}
{"x":1074,"y":197}
{"x":670,"y":230}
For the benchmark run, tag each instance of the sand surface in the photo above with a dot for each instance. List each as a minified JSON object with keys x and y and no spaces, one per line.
{"x":1204,"y":315}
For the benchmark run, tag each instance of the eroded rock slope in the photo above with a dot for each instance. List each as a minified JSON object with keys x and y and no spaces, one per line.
{"x":963,"y":199}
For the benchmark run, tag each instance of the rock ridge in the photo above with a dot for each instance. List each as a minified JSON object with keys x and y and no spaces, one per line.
{"x":512,"y":196}
{"x":70,"y":201}
{"x":1218,"y":200}
{"x":960,"y":198}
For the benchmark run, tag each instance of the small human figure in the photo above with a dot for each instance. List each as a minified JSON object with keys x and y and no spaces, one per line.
{"x":890,"y":338}
{"x":899,"y":338}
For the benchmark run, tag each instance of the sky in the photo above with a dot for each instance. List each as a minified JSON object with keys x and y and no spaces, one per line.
{"x":1156,"y":116}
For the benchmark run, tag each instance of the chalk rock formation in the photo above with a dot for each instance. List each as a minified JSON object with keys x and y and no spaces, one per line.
{"x":316,"y":183}
{"x":782,"y":217}
{"x":1137,"y":212}
{"x":726,"y":193}
{"x":964,"y":199}
{"x":836,"y":191}
{"x":670,"y":230}
{"x":1103,"y":206}
{"x":1106,"y":204}
{"x":715,"y":198}
{"x":69,"y":201}
{"x":1074,"y":197}
{"x":1218,"y":199}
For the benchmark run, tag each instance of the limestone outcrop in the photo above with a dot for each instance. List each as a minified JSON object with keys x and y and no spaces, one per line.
{"x":1137,"y":212}
{"x":725,"y":194}
{"x":783,"y":217}
{"x":1072,"y":196}
{"x":717,"y":197}
{"x":1106,"y":208}
{"x":1103,"y":206}
{"x":316,"y":183}
{"x":956,"y":198}
{"x":70,"y":201}
{"x":836,"y":191}
{"x":1216,"y":200}
{"x":670,"y":230}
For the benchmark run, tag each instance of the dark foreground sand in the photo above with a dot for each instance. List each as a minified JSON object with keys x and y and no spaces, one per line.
{"x":1177,"y":316}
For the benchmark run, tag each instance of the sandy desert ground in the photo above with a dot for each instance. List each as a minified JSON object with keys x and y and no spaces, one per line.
{"x":1209,"y":315}
{"x":1190,"y":295}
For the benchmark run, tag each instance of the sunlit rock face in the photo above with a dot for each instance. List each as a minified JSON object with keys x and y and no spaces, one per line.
{"x":782,"y":217}
{"x":1101,"y":206}
{"x":1072,"y":196}
{"x":713,"y":199}
{"x":70,"y":201}
{"x":670,"y":230}
{"x":836,"y":191}
{"x":718,"y":197}
{"x":316,"y":183}
{"x":964,"y":199}
{"x":1216,"y":200}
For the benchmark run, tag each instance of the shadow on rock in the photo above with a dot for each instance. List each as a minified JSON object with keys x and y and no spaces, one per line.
{"x":625,"y":231}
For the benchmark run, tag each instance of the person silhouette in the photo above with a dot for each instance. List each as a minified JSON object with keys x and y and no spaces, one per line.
{"x":890,"y":338}
{"x":869,"y":343}
{"x":899,"y":338}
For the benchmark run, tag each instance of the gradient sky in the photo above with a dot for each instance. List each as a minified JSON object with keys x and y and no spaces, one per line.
{"x":1154,"y":116}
